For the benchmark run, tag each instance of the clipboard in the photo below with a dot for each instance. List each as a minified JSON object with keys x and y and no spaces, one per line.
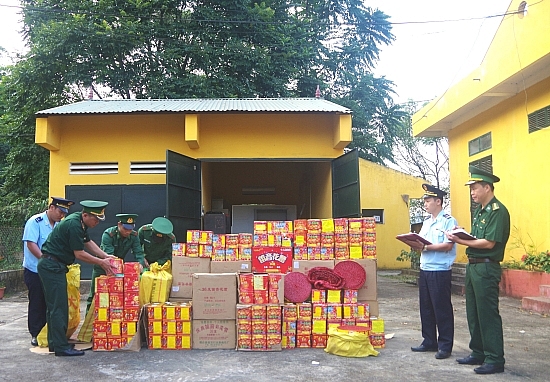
{"x":412,"y":236}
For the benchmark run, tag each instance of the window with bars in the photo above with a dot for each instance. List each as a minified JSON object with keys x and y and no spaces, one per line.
{"x":485,"y":164}
{"x":539,"y":119}
{"x":480,"y":144}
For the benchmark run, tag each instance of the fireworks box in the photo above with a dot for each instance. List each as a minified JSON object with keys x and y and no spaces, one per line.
{"x":271,"y":259}
{"x":230,"y":266}
{"x":303,"y":266}
{"x":182,"y":274}
{"x":214,"y":296}
{"x":214,"y":334}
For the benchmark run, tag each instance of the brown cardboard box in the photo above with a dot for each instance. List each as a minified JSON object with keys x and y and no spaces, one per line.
{"x":214,"y":334}
{"x":303,"y":266}
{"x":214,"y":296}
{"x":373,"y":309}
{"x":231,"y":266}
{"x":182,"y":274}
{"x":368,"y":291}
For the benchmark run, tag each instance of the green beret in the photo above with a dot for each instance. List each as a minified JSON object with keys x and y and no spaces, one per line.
{"x":128,"y":220}
{"x":479,"y":175}
{"x":94,"y":207}
{"x":163,"y":226}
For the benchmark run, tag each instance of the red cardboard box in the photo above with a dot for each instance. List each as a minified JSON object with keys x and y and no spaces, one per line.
{"x":271,"y":259}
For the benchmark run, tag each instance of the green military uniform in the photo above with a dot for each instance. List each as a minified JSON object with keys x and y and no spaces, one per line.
{"x":113,"y":243}
{"x":482,"y":278}
{"x":156,"y":239}
{"x":68,"y":236}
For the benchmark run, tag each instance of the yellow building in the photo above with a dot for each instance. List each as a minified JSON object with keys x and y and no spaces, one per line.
{"x":255,"y":159}
{"x":497,"y":118}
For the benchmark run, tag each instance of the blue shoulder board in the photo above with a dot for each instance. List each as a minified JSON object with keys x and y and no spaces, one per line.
{"x":447,"y":216}
{"x":39,"y":219}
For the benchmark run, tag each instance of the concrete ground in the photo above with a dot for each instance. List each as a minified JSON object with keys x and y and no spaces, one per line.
{"x":526,"y":337}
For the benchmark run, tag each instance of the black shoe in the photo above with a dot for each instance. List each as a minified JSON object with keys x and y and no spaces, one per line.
{"x":442,"y":354}
{"x":52,"y":350}
{"x":469,"y":361}
{"x":34,"y":341}
{"x":68,"y":353}
{"x":422,"y":349}
{"x":489,"y":368}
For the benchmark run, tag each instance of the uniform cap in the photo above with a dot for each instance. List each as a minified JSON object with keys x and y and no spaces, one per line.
{"x":94,"y":207}
{"x":62,"y":203}
{"x":128,"y":220}
{"x":162,"y":226}
{"x":432,"y":192}
{"x":479,"y":175}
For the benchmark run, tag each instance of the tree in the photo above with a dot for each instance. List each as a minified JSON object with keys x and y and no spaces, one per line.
{"x":427,"y":158}
{"x":181,"y":49}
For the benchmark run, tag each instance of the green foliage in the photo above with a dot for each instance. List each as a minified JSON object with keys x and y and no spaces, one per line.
{"x":533,"y":259}
{"x":179,"y":49}
{"x":412,"y":256}
{"x":15,"y":213}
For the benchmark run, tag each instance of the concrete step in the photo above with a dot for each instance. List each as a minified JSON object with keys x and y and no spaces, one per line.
{"x":458,"y":278}
{"x":536,"y":304}
{"x":458,"y":288}
{"x":544,"y":290}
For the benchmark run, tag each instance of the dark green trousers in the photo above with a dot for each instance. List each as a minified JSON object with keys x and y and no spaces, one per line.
{"x":54,"y":280}
{"x":484,"y":321}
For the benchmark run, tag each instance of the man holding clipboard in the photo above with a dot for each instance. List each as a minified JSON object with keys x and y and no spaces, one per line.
{"x":434,"y":283}
{"x":491,"y":230}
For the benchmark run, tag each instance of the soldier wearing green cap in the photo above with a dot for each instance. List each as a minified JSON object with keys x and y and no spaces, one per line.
{"x":117,"y":241}
{"x":156,"y":239}
{"x":68,"y":241}
{"x":491,"y":228}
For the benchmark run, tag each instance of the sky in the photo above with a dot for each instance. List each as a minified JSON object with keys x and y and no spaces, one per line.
{"x":424,"y":60}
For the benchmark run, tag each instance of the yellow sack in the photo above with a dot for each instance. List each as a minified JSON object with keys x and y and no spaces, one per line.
{"x":86,"y":331}
{"x":348,"y":343}
{"x":155,"y":284}
{"x":73,"y":293}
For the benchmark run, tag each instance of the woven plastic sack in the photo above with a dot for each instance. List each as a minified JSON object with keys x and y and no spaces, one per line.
{"x":86,"y":330}
{"x":155,"y":284}
{"x":348,"y":343}
{"x":73,"y":292}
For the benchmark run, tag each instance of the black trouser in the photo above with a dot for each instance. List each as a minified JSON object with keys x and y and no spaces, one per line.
{"x":436,"y":309}
{"x":36,"y":315}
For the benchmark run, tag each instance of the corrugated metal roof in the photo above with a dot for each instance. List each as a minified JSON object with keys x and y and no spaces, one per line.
{"x":198,"y":105}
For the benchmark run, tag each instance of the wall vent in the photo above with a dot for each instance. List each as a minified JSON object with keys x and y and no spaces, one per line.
{"x":148,"y":168}
{"x":539,"y":119}
{"x":88,"y":168}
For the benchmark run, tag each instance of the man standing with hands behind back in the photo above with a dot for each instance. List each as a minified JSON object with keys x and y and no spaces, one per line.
{"x":491,"y":229}
{"x":434,"y":282}
{"x":37,"y":230}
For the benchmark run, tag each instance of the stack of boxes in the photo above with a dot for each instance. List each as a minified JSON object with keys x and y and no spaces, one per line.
{"x":340,"y":239}
{"x":116,"y":311}
{"x":273,"y":234}
{"x":259,"y":311}
{"x":168,"y":326}
{"x":288,"y":329}
{"x":214,"y":314}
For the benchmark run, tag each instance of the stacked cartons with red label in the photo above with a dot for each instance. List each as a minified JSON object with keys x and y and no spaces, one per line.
{"x":116,"y":311}
{"x":303,"y":325}
{"x":377,"y":336}
{"x":259,"y":312}
{"x":288,"y":329}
